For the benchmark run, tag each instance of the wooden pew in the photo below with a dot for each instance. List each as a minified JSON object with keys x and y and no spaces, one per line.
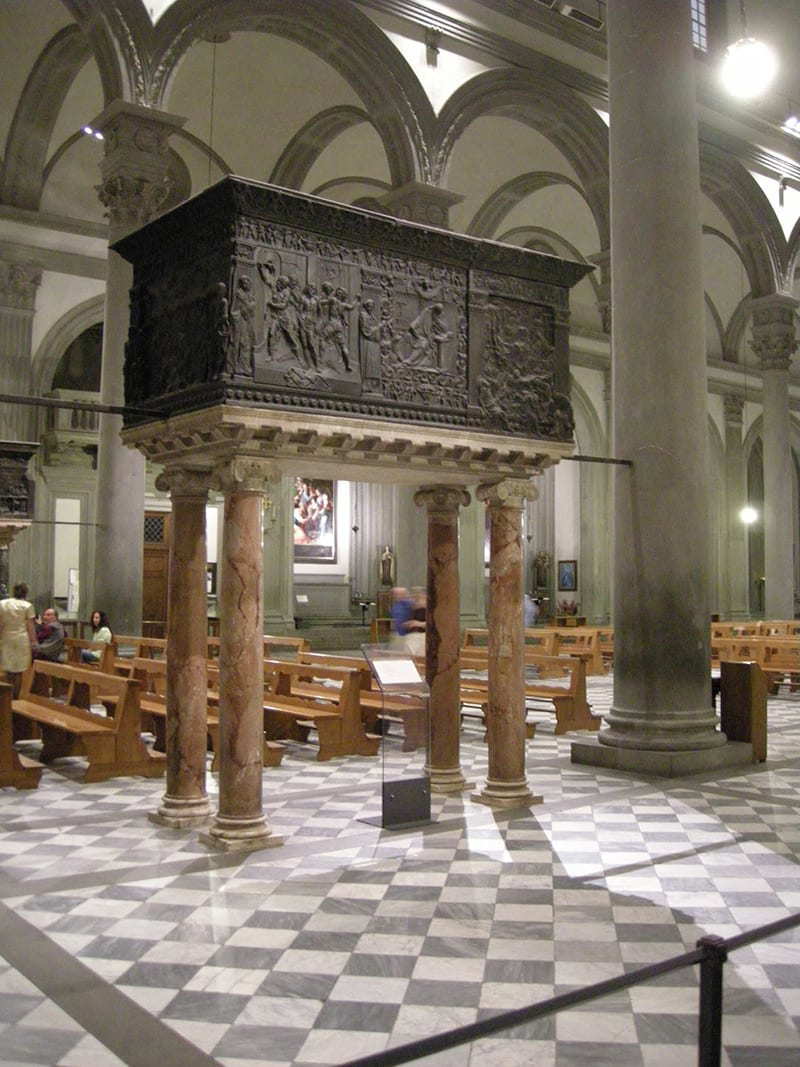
{"x":780,"y":661}
{"x":56,"y":697}
{"x":141,"y":647}
{"x":561,"y":684}
{"x":334,"y":710}
{"x":536,"y":638}
{"x":410,"y":710}
{"x":73,"y":646}
{"x":15,"y":770}
{"x":581,"y":641}
{"x":292,"y":646}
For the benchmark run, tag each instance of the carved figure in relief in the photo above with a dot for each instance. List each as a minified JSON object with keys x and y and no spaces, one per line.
{"x":427,"y":333}
{"x":309,"y":325}
{"x":369,"y":352}
{"x":284,"y":327}
{"x":336,"y":321}
{"x":241,"y":329}
{"x":267,"y":272}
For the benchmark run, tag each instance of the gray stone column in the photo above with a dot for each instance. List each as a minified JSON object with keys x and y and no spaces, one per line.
{"x":736,"y":564}
{"x":602,"y":260}
{"x":240,"y":822}
{"x":443,"y":635}
{"x":661,"y":598}
{"x":133,"y":188}
{"x":411,"y":542}
{"x":506,"y":781}
{"x":774,"y":341}
{"x":471,"y":568}
{"x":18,"y":286}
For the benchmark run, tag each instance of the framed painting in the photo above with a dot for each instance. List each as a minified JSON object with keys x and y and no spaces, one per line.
{"x":314,"y":520}
{"x":567,"y":575}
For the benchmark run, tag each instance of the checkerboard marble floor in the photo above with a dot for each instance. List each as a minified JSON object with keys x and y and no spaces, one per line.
{"x":125,"y":943}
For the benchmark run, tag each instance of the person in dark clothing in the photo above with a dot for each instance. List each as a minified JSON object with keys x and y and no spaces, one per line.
{"x":49,"y":637}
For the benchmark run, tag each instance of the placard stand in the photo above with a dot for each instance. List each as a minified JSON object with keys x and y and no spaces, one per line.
{"x":405,"y":801}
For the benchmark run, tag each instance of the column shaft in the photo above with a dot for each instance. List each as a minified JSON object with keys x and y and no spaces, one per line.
{"x":506,"y":781}
{"x":185,"y":802}
{"x":240,"y":822}
{"x":661,"y":597}
{"x":736,"y":564}
{"x":442,"y":636}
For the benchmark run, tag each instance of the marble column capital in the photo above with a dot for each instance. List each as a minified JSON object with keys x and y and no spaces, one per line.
{"x":9,"y":528}
{"x":442,"y":498}
{"x":733,"y":409}
{"x":184,"y":482}
{"x":243,"y":474}
{"x":19,"y":283}
{"x":774,"y":336}
{"x":135,"y":180}
{"x":509,"y":493}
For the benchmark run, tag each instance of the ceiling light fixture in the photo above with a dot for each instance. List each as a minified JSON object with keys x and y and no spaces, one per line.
{"x":748,"y":66}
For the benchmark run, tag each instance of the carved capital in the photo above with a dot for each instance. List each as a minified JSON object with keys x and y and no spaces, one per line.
{"x":774,"y":338}
{"x":442,"y":498}
{"x":18,"y":285}
{"x":182,"y":482}
{"x":509,"y":493}
{"x":417,"y":202}
{"x":243,"y":474}
{"x":732,"y":407}
{"x":135,"y":169}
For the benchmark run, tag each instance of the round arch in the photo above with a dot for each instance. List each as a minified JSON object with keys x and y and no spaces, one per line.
{"x":302,"y":151}
{"x":556,"y":112}
{"x":490,"y":215}
{"x":59,"y":337}
{"x":35,"y":117}
{"x":737,"y":195}
{"x":341,"y":36}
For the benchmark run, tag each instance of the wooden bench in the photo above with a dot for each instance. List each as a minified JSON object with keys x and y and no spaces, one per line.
{"x":542,"y":641}
{"x":73,"y":646}
{"x":376,"y":706}
{"x":561,"y":684}
{"x":333,"y":709}
{"x":56,"y":697}
{"x":15,"y":770}
{"x":140,"y":647}
{"x":291,"y":646}
{"x":780,"y":661}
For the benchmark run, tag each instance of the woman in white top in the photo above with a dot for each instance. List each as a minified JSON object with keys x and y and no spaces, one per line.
{"x":101,"y":632}
{"x":17,"y":634}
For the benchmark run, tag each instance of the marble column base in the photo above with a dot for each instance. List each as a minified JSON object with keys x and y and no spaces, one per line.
{"x":658,"y":762}
{"x":238,"y":835}
{"x":505,"y":794}
{"x":447,"y":780}
{"x":182,"y":812}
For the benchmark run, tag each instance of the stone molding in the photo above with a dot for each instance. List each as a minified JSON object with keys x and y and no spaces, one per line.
{"x":185,"y":482}
{"x":417,"y":202}
{"x":243,"y":474}
{"x":442,"y":499}
{"x":774,"y":337}
{"x":733,"y":409}
{"x":509,"y":493}
{"x":18,"y":285}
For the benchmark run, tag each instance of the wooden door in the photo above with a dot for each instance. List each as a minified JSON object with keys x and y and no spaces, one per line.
{"x":156,"y":564}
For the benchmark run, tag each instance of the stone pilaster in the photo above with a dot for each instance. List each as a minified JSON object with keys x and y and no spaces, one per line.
{"x":19,"y":284}
{"x":240,"y":822}
{"x":278,"y":557}
{"x":471,"y":569}
{"x":774,"y":341}
{"x":662,"y":701}
{"x":506,"y":782}
{"x":735,"y":499}
{"x":442,"y":635}
{"x":185,"y":801}
{"x":427,"y":204}
{"x":134,"y":186}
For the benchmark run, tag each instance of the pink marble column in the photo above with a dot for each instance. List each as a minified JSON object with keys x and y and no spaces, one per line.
{"x":506,"y":782}
{"x":240,"y":822}
{"x":442,"y":635}
{"x":185,"y":802}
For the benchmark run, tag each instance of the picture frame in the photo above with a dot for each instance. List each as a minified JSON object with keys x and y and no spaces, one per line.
{"x":567,"y":575}
{"x":314,"y":520}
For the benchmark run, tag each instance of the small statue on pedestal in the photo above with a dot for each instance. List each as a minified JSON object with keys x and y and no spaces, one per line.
{"x":386,"y":570}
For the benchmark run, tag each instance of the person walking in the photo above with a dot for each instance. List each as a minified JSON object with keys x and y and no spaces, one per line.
{"x":17,"y":635}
